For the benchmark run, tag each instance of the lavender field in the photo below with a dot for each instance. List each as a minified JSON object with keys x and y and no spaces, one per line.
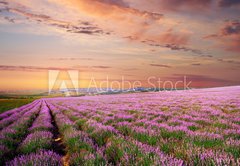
{"x":197,"y":127}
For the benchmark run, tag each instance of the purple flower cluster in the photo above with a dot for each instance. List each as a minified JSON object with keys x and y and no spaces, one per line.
{"x":40,"y":158}
{"x":43,"y":121}
{"x":11,"y":116}
{"x":37,"y":140}
{"x":20,"y":122}
{"x":13,"y":134}
{"x":17,"y":110}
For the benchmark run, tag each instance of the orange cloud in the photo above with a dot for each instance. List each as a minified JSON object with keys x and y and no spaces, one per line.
{"x":105,"y":17}
{"x":110,"y":9}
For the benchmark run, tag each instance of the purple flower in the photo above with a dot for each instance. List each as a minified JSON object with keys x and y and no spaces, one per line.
{"x":37,"y":159}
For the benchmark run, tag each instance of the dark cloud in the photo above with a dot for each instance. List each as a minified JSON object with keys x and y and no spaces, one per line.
{"x":231,"y":28}
{"x":81,"y":27}
{"x":9,"y":19}
{"x":196,"y":64}
{"x":115,"y":2}
{"x":160,"y":65}
{"x":228,"y":36}
{"x":39,"y":69}
{"x":183,"y":48}
{"x":172,"y":46}
{"x":228,"y":3}
{"x":30,"y":68}
{"x":206,"y":56}
{"x":91,"y":67}
{"x":3,"y":2}
{"x":211,"y":36}
{"x":228,"y":61}
{"x":102,"y":67}
{"x":175,"y":47}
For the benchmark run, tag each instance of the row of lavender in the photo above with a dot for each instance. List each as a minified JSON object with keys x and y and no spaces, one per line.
{"x":10,"y":116}
{"x":15,"y":126}
{"x":200,"y":127}
{"x":80,"y":149}
{"x":28,"y":138}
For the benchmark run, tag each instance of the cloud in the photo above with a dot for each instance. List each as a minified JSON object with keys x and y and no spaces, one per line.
{"x":229,"y":61}
{"x":115,"y":2}
{"x":41,"y":69}
{"x":173,"y":5}
{"x":101,"y":67}
{"x":3,"y":3}
{"x":106,"y":17}
{"x":175,"y":47}
{"x":196,"y":64}
{"x":231,"y":28}
{"x":168,"y":39}
{"x":229,"y":3}
{"x":111,"y":9}
{"x":202,"y":80}
{"x":30,"y":68}
{"x":210,"y":36}
{"x":228,"y":37}
{"x":135,"y":20}
{"x":82,"y":27}
{"x":11,"y":20}
{"x":185,"y":4}
{"x":161,"y":65}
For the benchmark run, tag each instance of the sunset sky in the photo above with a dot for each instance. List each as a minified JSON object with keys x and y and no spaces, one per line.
{"x":137,"y":39}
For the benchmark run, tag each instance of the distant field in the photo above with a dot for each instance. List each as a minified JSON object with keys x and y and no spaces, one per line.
{"x":7,"y":104}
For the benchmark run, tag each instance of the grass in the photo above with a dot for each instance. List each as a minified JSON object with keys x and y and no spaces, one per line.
{"x":235,"y":151}
{"x":114,"y":153}
{"x":80,"y":123}
{"x":145,"y":138}
{"x":211,"y":143}
{"x":75,"y":144}
{"x":222,"y":126}
{"x":166,"y":148}
{"x":35,"y":145}
{"x":193,"y":128}
{"x":175,"y":134}
{"x":119,"y":148}
{"x":101,"y":137}
{"x":7,"y":104}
